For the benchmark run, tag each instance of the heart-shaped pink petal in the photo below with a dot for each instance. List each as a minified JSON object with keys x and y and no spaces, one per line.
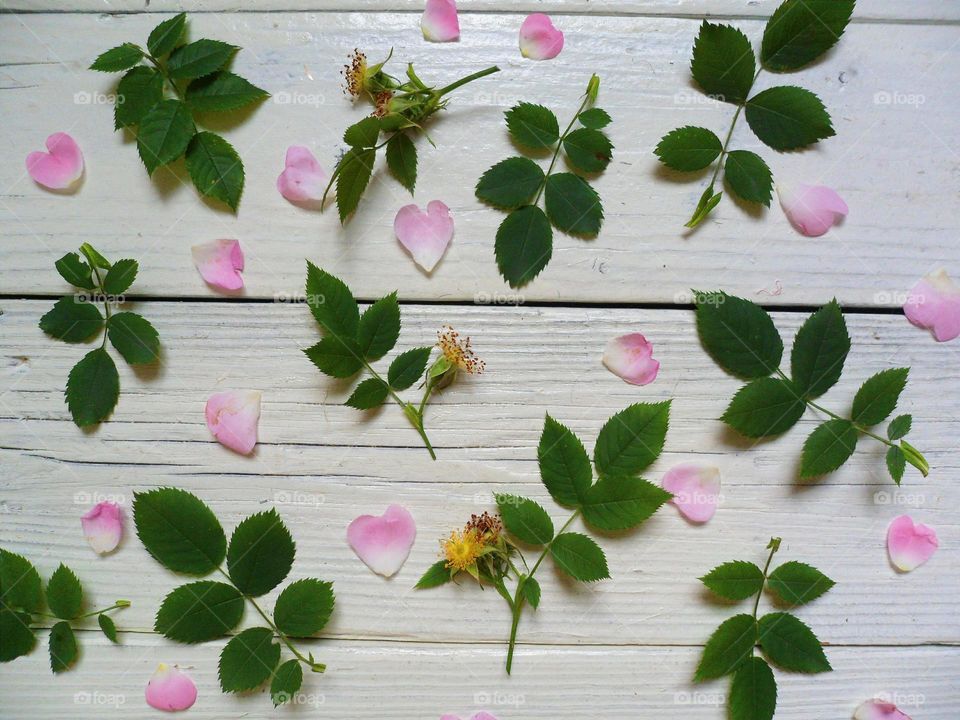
{"x":58,"y":168}
{"x":811,"y":209}
{"x":631,"y":358}
{"x":425,"y":235}
{"x":440,"y":22}
{"x":170,"y":690}
{"x":879,"y":710}
{"x":910,"y":545}
{"x":934,"y":303}
{"x":232,"y":417}
{"x":383,"y":542}
{"x":302,"y":179}
{"x":220,"y":263}
{"x":695,"y":489}
{"x":539,"y":39}
{"x":103,"y":527}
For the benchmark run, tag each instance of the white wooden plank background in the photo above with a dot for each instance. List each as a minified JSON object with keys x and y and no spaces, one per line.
{"x":622,"y":648}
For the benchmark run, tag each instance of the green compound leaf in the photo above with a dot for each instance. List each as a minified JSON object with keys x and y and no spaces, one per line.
{"x":369,"y":394}
{"x":800,"y":31}
{"x":199,"y":611}
{"x":764,"y":407}
{"x":20,"y":586}
{"x":119,"y":58}
{"x":524,"y":245}
{"x":787,"y":117}
{"x":588,"y":150}
{"x":896,"y":463}
{"x":689,"y":148}
{"x":222,"y":91}
{"x":797,"y":583}
{"x":138,"y":93}
{"x":408,"y":367}
{"x":878,"y":397}
{"x":533,"y":126}
{"x":510,"y":183}
{"x":828,"y":447}
{"x":248,"y":660}
{"x":730,"y":645}
{"x":64,"y":593}
{"x":564,"y":466}
{"x":72,"y":320}
{"x":354,"y":174}
{"x":573,"y":205}
{"x":723,"y":62}
{"x":260,"y":554}
{"x":286,"y":682}
{"x":613,"y":504}
{"x":738,"y":334}
{"x":580,"y":557}
{"x":215,"y":168}
{"x":75,"y":271}
{"x":63,"y":647}
{"x":134,"y":338}
{"x":899,"y":427}
{"x":525,"y":519}
{"x":199,"y":58}
{"x":331,"y":302}
{"x":436,"y":575}
{"x":753,"y":692}
{"x":336,"y":356}
{"x":165,"y":36}
{"x":179,"y":531}
{"x":304,"y":607}
{"x":632,"y":439}
{"x":594,"y":118}
{"x":108,"y":628}
{"x":402,"y":160}
{"x":787,"y":642}
{"x":748,"y":177}
{"x":819,"y":351}
{"x":164,"y":134}
{"x":736,"y":580}
{"x":120,"y":276}
{"x":379,"y":327}
{"x":93,"y":388}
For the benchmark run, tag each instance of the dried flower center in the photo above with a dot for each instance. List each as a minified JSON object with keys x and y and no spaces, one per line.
{"x":355,"y":74}
{"x":458,"y":351}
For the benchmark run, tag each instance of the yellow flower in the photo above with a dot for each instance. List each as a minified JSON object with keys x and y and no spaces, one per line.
{"x":458,"y":352}
{"x":355,"y":74}
{"x":462,"y":549}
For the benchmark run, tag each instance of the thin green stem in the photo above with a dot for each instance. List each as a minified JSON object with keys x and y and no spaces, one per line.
{"x":116,"y":606}
{"x":413,"y":415}
{"x":166,"y":76}
{"x":556,"y":150}
{"x":774,"y":546}
{"x":464,"y":80}
{"x":726,"y":144}
{"x":106,"y":305}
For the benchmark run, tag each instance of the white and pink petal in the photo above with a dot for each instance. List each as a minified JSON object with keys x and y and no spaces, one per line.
{"x":302,"y":179}
{"x":910,"y":544}
{"x":425,"y":235}
{"x":539,"y":39}
{"x":630,"y":357}
{"x":170,"y":690}
{"x":879,"y":710}
{"x":233,"y":418}
{"x":383,"y":542}
{"x":811,"y":209}
{"x":440,"y":22}
{"x":103,"y":527}
{"x":934,"y":303}
{"x":220,"y":263}
{"x":695,"y":489}
{"x":58,"y":168}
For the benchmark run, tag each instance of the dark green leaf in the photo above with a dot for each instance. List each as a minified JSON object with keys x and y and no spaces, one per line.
{"x":134,"y":338}
{"x":402,"y":159}
{"x":621,"y":503}
{"x":336,"y":356}
{"x":896,"y":463}
{"x":531,"y":592}
{"x":797,"y":583}
{"x":899,"y":426}
{"x":108,"y":627}
{"x":572,"y":205}
{"x":510,"y":183}
{"x":286,"y":682}
{"x":525,"y":519}
{"x":800,"y":31}
{"x":165,"y":36}
{"x":16,"y":637}
{"x":819,"y":351}
{"x":436,"y":575}
{"x":164,"y":134}
{"x":20,"y":587}
{"x":222,"y":91}
{"x":304,"y":607}
{"x":728,"y":647}
{"x":72,"y":320}
{"x":379,"y":327}
{"x":753,"y":693}
{"x":408,"y":367}
{"x":248,"y":660}
{"x":787,"y":642}
{"x":787,"y":117}
{"x":120,"y":276}
{"x":260,"y":554}
{"x":524,"y":245}
{"x":763,"y":407}
{"x":355,"y":168}
{"x":199,"y":611}
{"x":363,"y":134}
{"x":179,"y":531}
{"x":735,"y":580}
{"x":331,"y":302}
{"x":369,"y":394}
{"x":533,"y":126}
{"x":588,"y":150}
{"x":594,"y":118}
{"x":215,"y":168}
{"x":64,"y":593}
{"x":75,"y":271}
{"x":748,"y":177}
{"x":564,"y":465}
{"x":580,"y":557}
{"x":738,"y":334}
{"x":137,"y":93}
{"x":723,"y":62}
{"x":199,"y":58}
{"x":688,"y":148}
{"x":878,"y":396}
{"x":828,"y":447}
{"x":119,"y":58}
{"x":93,"y":388}
{"x":632,"y":439}
{"x":63,"y":647}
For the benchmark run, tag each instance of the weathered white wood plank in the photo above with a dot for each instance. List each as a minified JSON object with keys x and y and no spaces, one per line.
{"x":895,"y":162}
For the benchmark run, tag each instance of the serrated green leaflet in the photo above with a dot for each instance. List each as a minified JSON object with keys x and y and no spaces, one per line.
{"x":738,"y":334}
{"x":525,"y":519}
{"x":137,"y":94}
{"x":800,"y":31}
{"x":877,"y":397}
{"x":179,"y":531}
{"x":331,"y":302}
{"x":408,"y":367}
{"x":20,"y":587}
{"x":748,"y":177}
{"x":588,"y":150}
{"x":787,"y":117}
{"x":402,"y":159}
{"x":819,"y":351}
{"x":248,"y":660}
{"x":729,"y":646}
{"x":93,"y":388}
{"x":363,"y":134}
{"x":896,"y":463}
{"x":134,"y":338}
{"x":379,"y":328}
{"x":828,"y":447}
{"x":64,"y":593}
{"x":764,"y":407}
{"x":286,"y":682}
{"x":215,"y":168}
{"x":336,"y":356}
{"x":72,"y":320}
{"x":789,"y":643}
{"x":120,"y":276}
{"x":222,"y":91}
{"x":75,"y":271}
{"x":16,"y":637}
{"x":436,"y":575}
{"x":579,"y":556}
{"x":304,"y":607}
{"x":523,"y":245}
{"x":260,"y":554}
{"x":199,"y":58}
{"x":620,"y":503}
{"x":753,"y":693}
{"x":510,"y":183}
{"x":533,"y":126}
{"x":632,"y":439}
{"x":573,"y":205}
{"x":736,"y":580}
{"x":564,"y":466}
{"x":594,"y":118}
{"x":689,"y":148}
{"x":354,"y":171}
{"x":899,"y":427}
{"x":63,"y":647}
{"x":108,"y":627}
{"x":199,"y":611}
{"x":164,"y":134}
{"x":165,"y":36}
{"x":369,"y":394}
{"x":119,"y":58}
{"x":723,"y":62}
{"x":797,"y":583}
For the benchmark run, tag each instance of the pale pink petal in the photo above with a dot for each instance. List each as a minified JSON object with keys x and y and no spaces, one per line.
{"x":383,"y":542}
{"x":302,"y":179}
{"x":103,"y":527}
{"x":220,"y":263}
{"x":934,"y":303}
{"x":910,"y":545}
{"x":695,"y":489}
{"x":811,"y":209}
{"x":170,"y":690}
{"x":879,"y":710}
{"x":439,"y":22}
{"x":232,"y":418}
{"x":539,"y":39}
{"x":425,"y":235}
{"x":631,"y":358}
{"x":482,"y":715}
{"x":60,"y":167}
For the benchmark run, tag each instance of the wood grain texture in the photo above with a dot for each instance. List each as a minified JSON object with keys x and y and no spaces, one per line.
{"x":891,"y":91}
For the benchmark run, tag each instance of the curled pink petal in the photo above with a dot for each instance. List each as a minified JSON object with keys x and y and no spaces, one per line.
{"x":383,"y":542}
{"x":232,"y":418}
{"x":631,"y":358}
{"x":220,"y":263}
{"x":302,"y":179}
{"x":170,"y":690}
{"x":879,"y":710}
{"x":440,"y":22}
{"x":103,"y":527}
{"x":695,"y":489}
{"x":811,"y":209}
{"x":910,"y":545}
{"x":934,"y":303}
{"x":425,"y":235}
{"x":539,"y":39}
{"x":60,"y":167}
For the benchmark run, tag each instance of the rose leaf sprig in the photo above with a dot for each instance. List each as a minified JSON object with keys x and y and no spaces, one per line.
{"x":401,"y":109}
{"x":353,"y":341}
{"x":22,"y":601}
{"x":183,"y":535}
{"x":742,"y":339}
{"x":93,"y":386}
{"x":524,"y":242}
{"x":785,"y":640}
{"x":164,"y":89}
{"x":784,"y":117}
{"x":618,"y":500}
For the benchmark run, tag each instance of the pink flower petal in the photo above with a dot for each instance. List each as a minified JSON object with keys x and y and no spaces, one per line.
{"x":103,"y":527}
{"x":631,"y":358}
{"x":383,"y":542}
{"x":695,"y":488}
{"x":439,"y":22}
{"x":302,"y":179}
{"x":482,"y":715}
{"x":220,"y":263}
{"x":539,"y":39}
{"x":934,"y":303}
{"x":811,"y":209}
{"x":60,"y":167}
{"x":232,"y":418}
{"x":910,"y":545}
{"x":425,"y":235}
{"x":170,"y":690}
{"x":879,"y":710}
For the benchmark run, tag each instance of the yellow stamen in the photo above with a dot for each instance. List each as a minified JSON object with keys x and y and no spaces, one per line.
{"x":458,"y":351}
{"x":461,"y":549}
